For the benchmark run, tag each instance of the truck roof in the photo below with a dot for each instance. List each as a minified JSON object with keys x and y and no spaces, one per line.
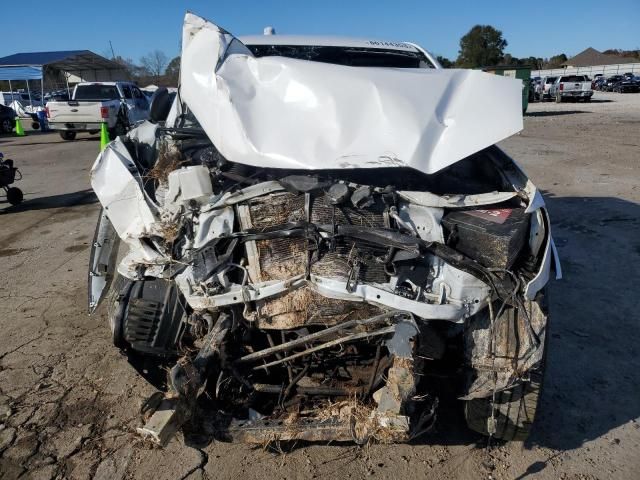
{"x":105,"y":83}
{"x":326,"y":41}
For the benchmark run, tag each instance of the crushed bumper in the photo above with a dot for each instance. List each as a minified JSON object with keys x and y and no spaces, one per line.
{"x":381,"y":405}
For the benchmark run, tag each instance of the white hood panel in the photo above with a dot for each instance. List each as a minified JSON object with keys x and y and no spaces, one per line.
{"x":286,"y":113}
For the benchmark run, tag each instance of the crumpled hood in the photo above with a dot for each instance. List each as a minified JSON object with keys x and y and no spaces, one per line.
{"x":287,"y":113}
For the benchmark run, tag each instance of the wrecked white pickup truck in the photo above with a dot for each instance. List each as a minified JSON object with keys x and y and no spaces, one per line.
{"x":317,"y":234}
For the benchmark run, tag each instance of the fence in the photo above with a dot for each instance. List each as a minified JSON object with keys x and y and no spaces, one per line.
{"x":606,"y":70}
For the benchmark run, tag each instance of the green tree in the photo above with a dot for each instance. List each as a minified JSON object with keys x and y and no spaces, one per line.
{"x":172,"y":72}
{"x":445,"y":62}
{"x":534,"y":62}
{"x":154,"y":64}
{"x":556,"y":61}
{"x":482,"y":46}
{"x":510,"y":60}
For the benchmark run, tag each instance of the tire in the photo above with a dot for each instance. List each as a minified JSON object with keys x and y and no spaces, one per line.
{"x":120,"y":128}
{"x":6,"y":126}
{"x":14,"y":195}
{"x":69,"y":136}
{"x":114,"y":310}
{"x":515,"y":410}
{"x":587,"y":99}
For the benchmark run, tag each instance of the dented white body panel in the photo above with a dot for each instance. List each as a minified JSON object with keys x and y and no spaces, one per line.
{"x":287,"y":113}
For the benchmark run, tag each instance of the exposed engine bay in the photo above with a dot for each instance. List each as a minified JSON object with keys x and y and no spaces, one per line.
{"x":319,"y":304}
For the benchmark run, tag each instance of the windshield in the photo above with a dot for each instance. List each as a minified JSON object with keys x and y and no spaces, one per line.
{"x":96,"y":92}
{"x":573,"y":78}
{"x":351,"y":56}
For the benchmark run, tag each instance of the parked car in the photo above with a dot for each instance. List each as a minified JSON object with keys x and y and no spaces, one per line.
{"x":607,"y":86}
{"x":626,"y":85}
{"x":595,"y":79}
{"x":315,"y":285}
{"x":545,"y":86}
{"x":573,"y":87}
{"x":598,"y":83}
{"x":119,"y":104}
{"x":7,"y":98}
{"x":7,"y":119}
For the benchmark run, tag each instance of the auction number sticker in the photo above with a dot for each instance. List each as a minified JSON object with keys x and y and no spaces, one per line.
{"x":376,"y":43}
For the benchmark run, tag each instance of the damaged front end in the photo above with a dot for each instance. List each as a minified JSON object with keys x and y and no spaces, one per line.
{"x":309,"y":301}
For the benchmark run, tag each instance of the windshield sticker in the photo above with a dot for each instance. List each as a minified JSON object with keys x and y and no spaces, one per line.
{"x":377,"y":43}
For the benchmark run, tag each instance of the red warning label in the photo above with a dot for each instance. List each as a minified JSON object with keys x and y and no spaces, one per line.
{"x":496,"y":215}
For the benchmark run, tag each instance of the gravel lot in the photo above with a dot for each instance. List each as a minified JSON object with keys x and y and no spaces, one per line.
{"x":69,"y":402}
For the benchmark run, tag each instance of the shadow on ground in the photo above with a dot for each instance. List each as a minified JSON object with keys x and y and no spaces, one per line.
{"x":57,"y":141}
{"x":551,"y":113}
{"x":592,"y":379}
{"x":81,"y":197}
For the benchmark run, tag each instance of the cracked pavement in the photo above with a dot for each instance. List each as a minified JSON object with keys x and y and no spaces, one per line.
{"x":69,"y":402}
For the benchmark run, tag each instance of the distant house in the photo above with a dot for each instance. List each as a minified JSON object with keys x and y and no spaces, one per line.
{"x":591,"y":62}
{"x":591,"y":57}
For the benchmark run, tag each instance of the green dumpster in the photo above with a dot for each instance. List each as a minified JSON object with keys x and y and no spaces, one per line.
{"x":523,"y":73}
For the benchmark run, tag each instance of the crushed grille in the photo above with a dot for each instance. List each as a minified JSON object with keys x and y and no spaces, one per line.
{"x":284,"y":258}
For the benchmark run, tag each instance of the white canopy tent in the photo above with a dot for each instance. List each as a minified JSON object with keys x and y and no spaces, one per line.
{"x":81,"y":65}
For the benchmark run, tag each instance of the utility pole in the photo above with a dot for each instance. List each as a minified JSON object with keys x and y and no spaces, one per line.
{"x":113,"y":55}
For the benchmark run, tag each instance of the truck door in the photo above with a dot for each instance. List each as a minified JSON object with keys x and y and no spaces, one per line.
{"x":127,"y":94}
{"x":141,"y":104}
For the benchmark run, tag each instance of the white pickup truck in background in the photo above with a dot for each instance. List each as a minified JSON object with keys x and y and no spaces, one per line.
{"x":119,"y":104}
{"x":576,"y":87}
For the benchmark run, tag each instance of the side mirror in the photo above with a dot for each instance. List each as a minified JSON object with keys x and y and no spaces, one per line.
{"x":160,"y":105}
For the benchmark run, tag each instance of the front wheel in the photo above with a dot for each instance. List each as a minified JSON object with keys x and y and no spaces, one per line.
{"x":513,"y":411}
{"x":502,"y":400}
{"x":120,"y":128}
{"x":68,"y":135}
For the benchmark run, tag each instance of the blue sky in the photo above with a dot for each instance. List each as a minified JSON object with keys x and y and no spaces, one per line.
{"x":139,"y":26}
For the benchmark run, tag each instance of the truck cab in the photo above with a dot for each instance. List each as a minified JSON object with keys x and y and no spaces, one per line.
{"x":118,"y":104}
